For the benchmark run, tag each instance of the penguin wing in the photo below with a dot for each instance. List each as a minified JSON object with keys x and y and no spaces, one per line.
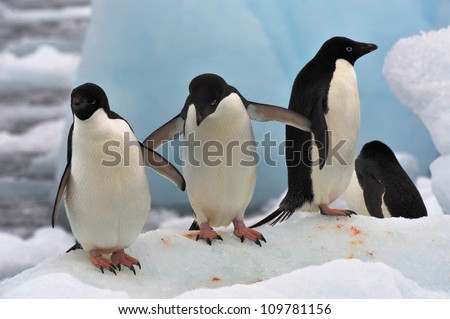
{"x":319,"y":129}
{"x":373,"y":191}
{"x":264,"y":112}
{"x":60,"y":193}
{"x":162,"y":166}
{"x":169,"y":131}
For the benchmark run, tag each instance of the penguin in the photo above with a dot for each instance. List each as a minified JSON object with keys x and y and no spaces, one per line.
{"x":216,"y":118}
{"x":380,"y":187}
{"x":320,"y":162}
{"x":104,"y":184}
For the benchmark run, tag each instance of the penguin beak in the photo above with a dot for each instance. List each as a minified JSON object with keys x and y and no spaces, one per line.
{"x":78,"y":105}
{"x":369,"y":47}
{"x":202,"y":114}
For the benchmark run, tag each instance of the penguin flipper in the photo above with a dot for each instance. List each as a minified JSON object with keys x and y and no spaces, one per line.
{"x":162,"y":166}
{"x":373,"y":195}
{"x":169,"y":131}
{"x":264,"y":112}
{"x":59,"y":195}
{"x":319,"y":129}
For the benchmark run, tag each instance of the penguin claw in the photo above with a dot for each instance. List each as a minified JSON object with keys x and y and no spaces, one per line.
{"x":132,"y":269}
{"x":242,"y":232}
{"x":207,"y":233}
{"x":121,"y":258}
{"x":112,"y":269}
{"x":349,"y":213}
{"x":327,"y":211}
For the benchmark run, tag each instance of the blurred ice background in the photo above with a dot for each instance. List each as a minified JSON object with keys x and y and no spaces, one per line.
{"x":40,"y":45}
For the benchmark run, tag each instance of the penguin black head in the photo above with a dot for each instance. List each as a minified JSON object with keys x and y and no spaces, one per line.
{"x":377,"y":150}
{"x":205,"y":92}
{"x":344,"y":48}
{"x":376,"y":156}
{"x":88,"y":98}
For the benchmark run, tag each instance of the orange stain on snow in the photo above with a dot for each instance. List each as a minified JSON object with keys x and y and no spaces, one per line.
{"x":191,"y":235}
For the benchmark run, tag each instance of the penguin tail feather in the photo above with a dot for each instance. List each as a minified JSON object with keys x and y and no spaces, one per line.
{"x":280,"y":215}
{"x":74,"y":247}
{"x":194,"y":226}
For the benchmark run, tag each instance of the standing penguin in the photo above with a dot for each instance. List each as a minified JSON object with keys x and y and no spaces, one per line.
{"x":107,"y":196}
{"x":380,"y":187}
{"x":320,"y":164}
{"x":216,"y":118}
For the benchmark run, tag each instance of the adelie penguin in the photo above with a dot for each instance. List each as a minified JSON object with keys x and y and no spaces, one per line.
{"x":104,"y":185}
{"x":380,"y":187}
{"x":320,"y":163}
{"x":216,"y":117}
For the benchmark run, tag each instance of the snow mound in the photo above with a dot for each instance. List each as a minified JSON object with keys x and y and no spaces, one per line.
{"x":25,"y":253}
{"x":309,"y":256}
{"x":357,"y":279}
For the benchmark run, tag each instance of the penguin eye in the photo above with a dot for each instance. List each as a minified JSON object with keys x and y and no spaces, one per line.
{"x":349,"y":49}
{"x":93,"y":101}
{"x":213,"y":102}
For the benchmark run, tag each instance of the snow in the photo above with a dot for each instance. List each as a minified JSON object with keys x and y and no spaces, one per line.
{"x":257,"y":46}
{"x":367,"y":280}
{"x":308,"y":256}
{"x":44,"y":137}
{"x":45,"y":67}
{"x":25,"y":253}
{"x":417,"y":69}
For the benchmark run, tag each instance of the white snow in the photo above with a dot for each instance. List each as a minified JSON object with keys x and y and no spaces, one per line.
{"x":44,"y":137}
{"x":418,"y":71}
{"x":19,"y":254}
{"x":358,"y":279}
{"x":46,"y":67}
{"x":308,"y":256}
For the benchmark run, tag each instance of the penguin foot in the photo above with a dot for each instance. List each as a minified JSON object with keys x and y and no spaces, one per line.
{"x":242,"y":231}
{"x":120,"y":258}
{"x":207,"y":233}
{"x":102,"y":263}
{"x":326,"y":210}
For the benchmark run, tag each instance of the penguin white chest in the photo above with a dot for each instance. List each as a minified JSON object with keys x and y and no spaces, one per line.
{"x":354,"y":197}
{"x":219,"y":162}
{"x":108,"y":197}
{"x":343,"y":122}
